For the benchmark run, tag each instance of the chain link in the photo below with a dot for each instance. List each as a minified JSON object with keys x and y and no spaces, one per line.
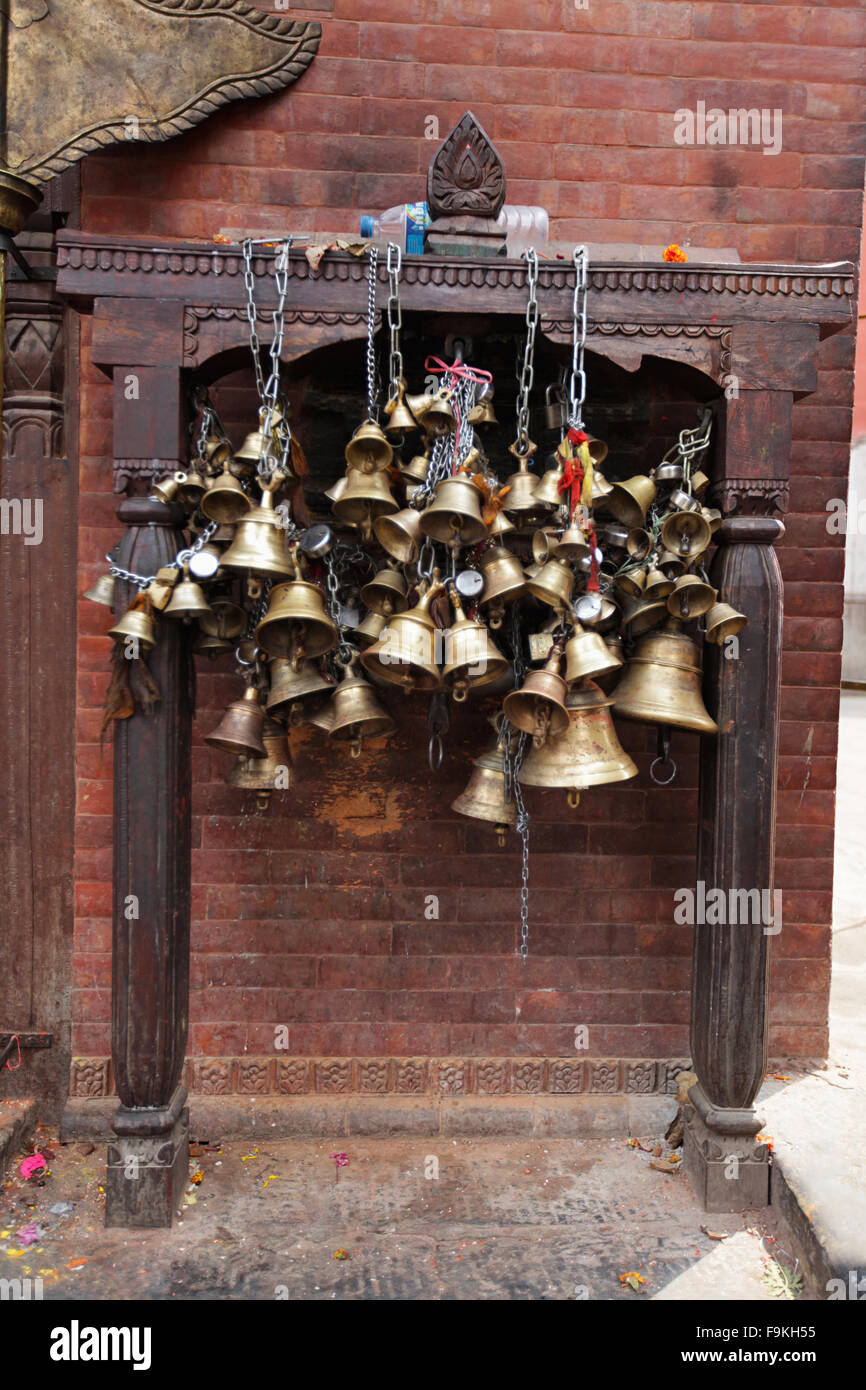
{"x":371,"y":329}
{"x":395,"y":320}
{"x":515,"y":748}
{"x":250,"y":283}
{"x":577,"y":377}
{"x":526,"y":372}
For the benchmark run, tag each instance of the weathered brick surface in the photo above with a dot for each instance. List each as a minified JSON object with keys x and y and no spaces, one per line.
{"x":314,"y":915}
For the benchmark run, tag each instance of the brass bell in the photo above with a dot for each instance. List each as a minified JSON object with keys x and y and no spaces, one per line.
{"x":355,"y":711}
{"x":400,"y":534}
{"x":297,"y":623}
{"x":482,"y":412}
{"x":713,"y":517}
{"x":455,"y":512}
{"x":416,"y":470}
{"x":240,"y":729}
{"x":504,"y":581}
{"x":365,"y":497}
{"x":368,"y":451}
{"x":168,"y":490}
{"x":260,"y":542}
{"x":613,"y":642}
{"x":640,"y":614}
{"x":406,"y":653}
{"x":520,"y":500}
{"x":723,"y":622}
{"x":538,"y":707}
{"x":690,"y":597}
{"x":400,"y":417}
{"x":192,"y":488}
{"x":386,"y":592}
{"x":638,"y":543}
{"x":224,"y":619}
{"x":587,"y":654}
{"x":267,"y":774}
{"x":548,"y":491}
{"x":471,"y":656}
{"x":598,"y":452}
{"x":369,"y":631}
{"x":631,"y":582}
{"x":225,"y":500}
{"x":572,"y":545}
{"x":439,"y":416}
{"x":629,"y":501}
{"x":614,"y":537}
{"x":686,"y":534}
{"x":207,"y":645}
{"x":657,"y":585}
{"x":102,"y":591}
{"x":586,"y":754}
{"x":670,"y":565}
{"x":217,"y":451}
{"x":336,"y":490}
{"x":607,"y":616}
{"x":601,"y":488}
{"x":484,"y":795}
{"x":667,"y":473}
{"x":662,"y":683}
{"x":187,"y":600}
{"x":553,"y":584}
{"x":500,"y":525}
{"x":138,"y":624}
{"x":322,"y":718}
{"x":289,"y":685}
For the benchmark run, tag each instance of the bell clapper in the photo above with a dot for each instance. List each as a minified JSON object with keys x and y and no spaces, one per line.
{"x":573,"y":798}
{"x":663,"y":757}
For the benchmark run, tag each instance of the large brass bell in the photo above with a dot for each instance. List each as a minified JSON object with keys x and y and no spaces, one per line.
{"x":297,"y":624}
{"x":400,"y":418}
{"x":690,"y":597}
{"x":260,"y":542}
{"x":265,"y":775}
{"x":504,"y":581}
{"x":365,"y":497}
{"x":386,"y":592}
{"x":400,"y":534}
{"x":439,"y":416}
{"x":240,"y":729}
{"x":355,"y":711}
{"x":187,"y":600}
{"x":685,"y":533}
{"x":723,"y":622}
{"x":538,"y":707}
{"x":587,"y":753}
{"x":484,"y":796}
{"x":102,"y":591}
{"x":629,"y":501}
{"x":553,"y":584}
{"x":225,"y":500}
{"x":406,"y":653}
{"x":662,"y":683}
{"x":137,"y":624}
{"x":471,"y":656}
{"x":289,"y":686}
{"x":587,"y":654}
{"x":455,"y":512}
{"x":368,"y":451}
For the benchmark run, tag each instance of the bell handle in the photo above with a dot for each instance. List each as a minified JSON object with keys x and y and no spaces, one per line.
{"x":523,"y":455}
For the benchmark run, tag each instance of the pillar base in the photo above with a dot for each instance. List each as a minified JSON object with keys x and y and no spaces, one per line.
{"x":148,"y":1165}
{"x":728,"y":1170}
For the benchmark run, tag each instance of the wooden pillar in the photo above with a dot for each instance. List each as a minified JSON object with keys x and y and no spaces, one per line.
{"x":148,"y":1161}
{"x":736,"y":838}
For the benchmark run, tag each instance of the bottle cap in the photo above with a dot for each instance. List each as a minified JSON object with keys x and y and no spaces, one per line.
{"x":366,"y":226}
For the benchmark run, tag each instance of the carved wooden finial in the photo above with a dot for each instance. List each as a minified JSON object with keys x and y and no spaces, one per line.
{"x":466,"y":176}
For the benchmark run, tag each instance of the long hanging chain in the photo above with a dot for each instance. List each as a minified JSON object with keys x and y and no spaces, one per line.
{"x":395,"y":321}
{"x":268,"y":391}
{"x":255,"y":347}
{"x":515,"y":748}
{"x":577,"y":376}
{"x":526,"y":373}
{"x":371,"y":329}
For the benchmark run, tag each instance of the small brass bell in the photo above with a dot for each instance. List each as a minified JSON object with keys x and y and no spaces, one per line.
{"x":667,"y":474}
{"x":454,"y":513}
{"x":240,"y":729}
{"x":260,"y":542}
{"x":686,"y":534}
{"x":713,"y":517}
{"x":662,"y":683}
{"x":225,"y":500}
{"x":598,"y":452}
{"x":631,"y":582}
{"x":217,"y":451}
{"x":337,"y":489}
{"x":439,"y":417}
{"x":187,"y":600}
{"x":572,"y":545}
{"x":207,"y":645}
{"x":504,"y":581}
{"x":471,"y":656}
{"x":267,"y":774}
{"x":400,"y":534}
{"x":365,"y":497}
{"x":102,"y":591}
{"x":538,"y":707}
{"x":168,"y":490}
{"x":690,"y":597}
{"x":224,"y":619}
{"x":613,"y":642}
{"x":400,"y":417}
{"x":601,"y":488}
{"x":369,"y":631}
{"x":407,"y":652}
{"x":192,"y":488}
{"x":500,"y":525}
{"x":520,"y":500}
{"x":289,"y":685}
{"x":416,"y":470}
{"x":355,"y":711}
{"x":386,"y":592}
{"x":587,"y":654}
{"x":670,"y":565}
{"x":629,"y":501}
{"x":587,"y":753}
{"x":482,"y":412}
{"x":321,"y":718}
{"x":640,"y":614}
{"x":638,"y":543}
{"x":297,"y":624}
{"x":553,"y":584}
{"x":723,"y":622}
{"x":548,"y":491}
{"x":657,"y":585}
{"x":368,"y":451}
{"x":484,"y":795}
{"x":614,"y":537}
{"x":137,"y":624}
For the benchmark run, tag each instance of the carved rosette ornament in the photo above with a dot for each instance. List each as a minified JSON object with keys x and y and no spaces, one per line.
{"x":466,"y":174}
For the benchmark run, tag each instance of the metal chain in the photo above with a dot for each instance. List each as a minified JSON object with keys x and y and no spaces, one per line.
{"x":577,"y":377}
{"x":143,"y":581}
{"x":371,"y":329}
{"x":250,"y":283}
{"x":526,"y":373}
{"x":395,"y":320}
{"x":515,"y":748}
{"x":335,"y":608}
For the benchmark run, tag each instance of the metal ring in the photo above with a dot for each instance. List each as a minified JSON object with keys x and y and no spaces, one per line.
{"x":662,"y":781}
{"x":435,"y":752}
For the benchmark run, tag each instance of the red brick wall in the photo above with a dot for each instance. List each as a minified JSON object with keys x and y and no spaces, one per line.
{"x":314,"y":915}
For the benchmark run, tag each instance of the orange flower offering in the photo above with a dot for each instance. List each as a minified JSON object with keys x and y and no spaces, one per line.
{"x":674,"y":253}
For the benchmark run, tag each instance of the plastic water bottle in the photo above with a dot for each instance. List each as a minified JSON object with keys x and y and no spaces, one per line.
{"x":403,"y":224}
{"x":523,"y":227}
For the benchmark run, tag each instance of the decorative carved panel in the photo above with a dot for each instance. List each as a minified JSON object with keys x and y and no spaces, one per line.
{"x":466,"y":174}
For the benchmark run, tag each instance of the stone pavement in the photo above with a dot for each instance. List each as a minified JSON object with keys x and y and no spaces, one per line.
{"x":504,"y":1219}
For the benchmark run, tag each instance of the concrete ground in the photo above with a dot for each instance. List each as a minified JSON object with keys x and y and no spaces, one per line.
{"x":457,"y":1219}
